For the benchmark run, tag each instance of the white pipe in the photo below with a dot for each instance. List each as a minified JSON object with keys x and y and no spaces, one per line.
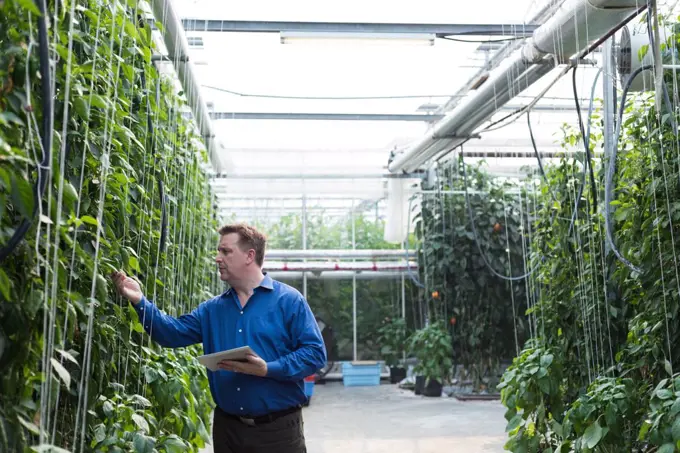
{"x":576,"y":24}
{"x":317,"y":266}
{"x":336,"y":275}
{"x":338,"y":254}
{"x":178,"y":51}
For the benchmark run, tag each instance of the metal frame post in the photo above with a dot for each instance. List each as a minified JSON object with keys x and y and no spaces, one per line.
{"x":304,"y":242}
{"x":354,"y":288}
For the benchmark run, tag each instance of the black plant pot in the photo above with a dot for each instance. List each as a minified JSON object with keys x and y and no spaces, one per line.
{"x":433,"y":388}
{"x":397,"y":374}
{"x":420,"y":385}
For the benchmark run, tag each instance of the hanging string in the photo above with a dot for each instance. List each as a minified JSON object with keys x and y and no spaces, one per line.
{"x":108,"y":135}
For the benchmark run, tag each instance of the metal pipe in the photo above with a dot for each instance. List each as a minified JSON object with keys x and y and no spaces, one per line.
{"x":337,"y":254}
{"x":563,"y":35}
{"x":354,"y":287}
{"x":336,"y":275}
{"x":400,"y":266}
{"x":177,"y":46}
{"x":304,"y":242}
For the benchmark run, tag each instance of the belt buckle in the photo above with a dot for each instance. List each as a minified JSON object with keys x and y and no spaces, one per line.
{"x":247,"y":421}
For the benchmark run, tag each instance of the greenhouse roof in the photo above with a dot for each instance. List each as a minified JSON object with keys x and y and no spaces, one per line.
{"x":295,"y":118}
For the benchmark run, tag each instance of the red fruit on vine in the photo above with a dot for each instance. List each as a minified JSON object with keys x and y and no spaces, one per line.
{"x":435,"y":294}
{"x":497,"y":227}
{"x":453,"y":321}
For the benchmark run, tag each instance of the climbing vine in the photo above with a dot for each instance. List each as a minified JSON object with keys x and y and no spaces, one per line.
{"x":76,"y":370}
{"x":611,"y":332}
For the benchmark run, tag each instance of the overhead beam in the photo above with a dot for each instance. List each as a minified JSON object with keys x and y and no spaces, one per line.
{"x":325,"y":116}
{"x":319,"y":254}
{"x":427,"y":118}
{"x":324,"y":176}
{"x":439,"y":30}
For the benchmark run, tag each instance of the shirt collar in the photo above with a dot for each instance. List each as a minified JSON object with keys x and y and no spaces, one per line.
{"x":267,"y":282}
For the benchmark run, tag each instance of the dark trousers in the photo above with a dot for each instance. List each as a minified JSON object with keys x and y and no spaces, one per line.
{"x":283,"y":435}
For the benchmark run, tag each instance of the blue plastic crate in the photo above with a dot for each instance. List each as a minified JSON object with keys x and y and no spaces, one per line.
{"x":356,"y":374}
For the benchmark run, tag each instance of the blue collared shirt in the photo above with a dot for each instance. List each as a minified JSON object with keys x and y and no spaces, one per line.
{"x":276,"y":323}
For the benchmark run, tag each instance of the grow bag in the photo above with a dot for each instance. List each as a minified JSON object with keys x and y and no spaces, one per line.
{"x":420,"y":385}
{"x":397,"y":374}
{"x":433,"y":388}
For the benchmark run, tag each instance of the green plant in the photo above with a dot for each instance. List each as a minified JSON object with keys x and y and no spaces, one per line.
{"x":487,"y":313}
{"x":73,"y":372}
{"x":393,"y":337}
{"x":611,"y":327}
{"x":431,"y":345}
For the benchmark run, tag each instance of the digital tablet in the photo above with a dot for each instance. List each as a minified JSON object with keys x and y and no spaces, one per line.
{"x":210,"y":361}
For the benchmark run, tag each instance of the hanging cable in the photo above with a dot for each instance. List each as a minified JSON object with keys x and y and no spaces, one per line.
{"x":47,"y":121}
{"x":611,"y":170}
{"x":585,"y":139}
{"x":538,"y":158}
{"x":587,"y":146}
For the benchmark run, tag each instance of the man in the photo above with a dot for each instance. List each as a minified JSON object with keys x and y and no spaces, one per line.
{"x":258,"y":401}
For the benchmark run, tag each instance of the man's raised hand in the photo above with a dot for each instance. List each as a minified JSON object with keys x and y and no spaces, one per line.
{"x":127,"y":287}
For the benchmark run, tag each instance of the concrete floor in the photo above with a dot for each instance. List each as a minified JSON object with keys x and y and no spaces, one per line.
{"x":386,"y":419}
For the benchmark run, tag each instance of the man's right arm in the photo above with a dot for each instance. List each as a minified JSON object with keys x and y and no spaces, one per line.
{"x":166,"y":330}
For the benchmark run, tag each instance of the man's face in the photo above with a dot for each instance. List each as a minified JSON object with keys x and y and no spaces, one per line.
{"x":231,"y":260}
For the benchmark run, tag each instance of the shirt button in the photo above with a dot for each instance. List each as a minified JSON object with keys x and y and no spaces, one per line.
{"x":240,"y":330}
{"x":241,"y":408}
{"x":238,"y":389}
{"x":241,"y":312}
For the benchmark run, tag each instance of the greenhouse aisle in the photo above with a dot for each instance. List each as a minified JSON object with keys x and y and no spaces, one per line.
{"x":386,"y":419}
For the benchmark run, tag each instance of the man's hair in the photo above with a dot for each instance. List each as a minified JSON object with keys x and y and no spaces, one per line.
{"x":249,"y":238}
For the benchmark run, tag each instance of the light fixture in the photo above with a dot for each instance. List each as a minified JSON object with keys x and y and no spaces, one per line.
{"x":344,"y":38}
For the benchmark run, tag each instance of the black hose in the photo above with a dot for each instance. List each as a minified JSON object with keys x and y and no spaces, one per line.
{"x":586,"y":143}
{"x":538,"y":157}
{"x":47,"y":123}
{"x":611,"y":170}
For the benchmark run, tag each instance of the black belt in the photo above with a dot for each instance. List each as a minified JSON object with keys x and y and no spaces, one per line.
{"x":261,"y":419}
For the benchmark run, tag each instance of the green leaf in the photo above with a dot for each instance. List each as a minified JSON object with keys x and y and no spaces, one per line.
{"x":664,"y":394}
{"x":30,"y":6}
{"x":134,"y":263}
{"x":138,"y":399}
{"x":22,"y":196}
{"x":141,"y":422}
{"x":174,"y":444}
{"x":4,"y":285}
{"x":89,"y":220}
{"x":81,"y":108}
{"x":668,"y":367}
{"x":667,"y":448}
{"x":108,"y":408}
{"x":143,"y":444}
{"x":62,"y":372}
{"x":514,"y":423}
{"x":675,"y":430}
{"x":547,"y":360}
{"x":29,"y":425}
{"x":593,"y":435}
{"x":67,"y":356}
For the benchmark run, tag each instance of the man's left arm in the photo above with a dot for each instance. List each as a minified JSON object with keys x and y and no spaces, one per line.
{"x":309,"y":355}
